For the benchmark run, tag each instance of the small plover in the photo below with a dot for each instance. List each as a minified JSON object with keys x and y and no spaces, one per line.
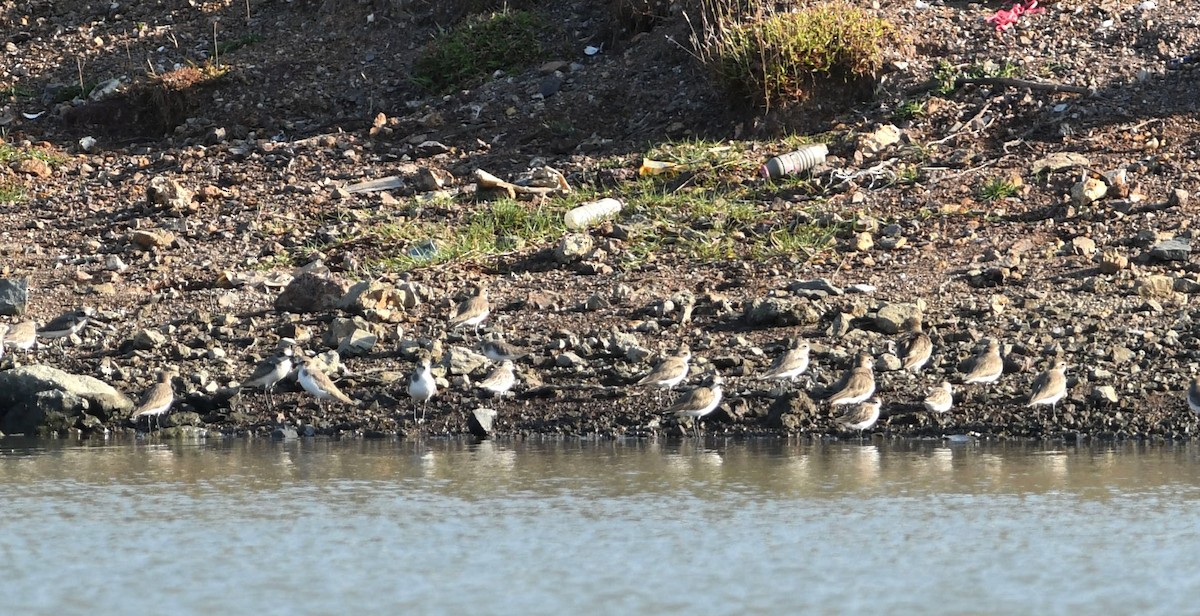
{"x":857,"y":384}
{"x":699,"y":401}
{"x":270,"y":372}
{"x":157,"y":400}
{"x":318,"y":384}
{"x":987,"y":366}
{"x":669,"y":372}
{"x":67,"y":324}
{"x":791,"y":364}
{"x":501,"y":380}
{"x":940,"y":398}
{"x":861,"y":417}
{"x":1050,"y":386}
{"x":21,"y":336}
{"x":496,"y":349}
{"x":915,"y":347}
{"x":421,"y":384}
{"x":472,"y":311}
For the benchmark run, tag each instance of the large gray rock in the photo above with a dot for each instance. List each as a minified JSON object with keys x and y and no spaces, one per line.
{"x":891,"y":317}
{"x":480,"y":422}
{"x":775,"y":311}
{"x":463,"y":361}
{"x":1174,"y":249}
{"x":312,"y":292}
{"x":40,"y":399}
{"x":14,"y":296}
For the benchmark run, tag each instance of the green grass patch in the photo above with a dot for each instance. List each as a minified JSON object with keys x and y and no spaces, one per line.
{"x":10,"y":153}
{"x":997,"y":189}
{"x":11,"y":193}
{"x":237,"y":43}
{"x":480,"y":45}
{"x":783,"y":57}
{"x":908,"y":110}
{"x":16,"y":91}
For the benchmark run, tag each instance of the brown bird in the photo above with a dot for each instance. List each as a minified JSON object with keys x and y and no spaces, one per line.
{"x":915,"y":347}
{"x":857,"y":384}
{"x":472,"y":311}
{"x":940,"y":398}
{"x":669,"y":372}
{"x":699,"y":402}
{"x":316,"y":383}
{"x":861,"y":417}
{"x":157,"y":400}
{"x":791,"y":364}
{"x":1050,"y":386}
{"x":986,"y":367}
{"x":21,"y":336}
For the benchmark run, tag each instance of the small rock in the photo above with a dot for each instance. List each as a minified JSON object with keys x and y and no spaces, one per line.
{"x":432,"y":178}
{"x":840,"y":326}
{"x":820,"y":285}
{"x":573,"y":247}
{"x":893,"y":243}
{"x":148,"y":239}
{"x":480,"y":422}
{"x":1178,"y":198}
{"x":169,"y":193}
{"x":542,"y":301}
{"x":1186,"y":285}
{"x":890,"y":317}
{"x":1175,"y":249}
{"x":14,"y":296}
{"x":1104,"y":393}
{"x":595,"y":302}
{"x":863,"y":242}
{"x":887,"y":363}
{"x":431,"y":148}
{"x":463,"y":361}
{"x":774,"y":311}
{"x":359,"y":342}
{"x":1083,"y":246}
{"x":311,"y":292}
{"x":147,"y":339}
{"x":1154,"y":286}
{"x":1122,"y":355}
{"x":32,"y":166}
{"x":1088,"y":191}
{"x":567,"y":359}
{"x":1112,"y":261}
{"x":883,"y":137}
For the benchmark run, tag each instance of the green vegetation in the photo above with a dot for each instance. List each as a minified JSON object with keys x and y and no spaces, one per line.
{"x":11,"y":193}
{"x":480,"y":45}
{"x":997,"y":189}
{"x":947,"y":75}
{"x":782,"y":57}
{"x":10,"y":153}
{"x":908,"y":110}
{"x":16,"y":92}
{"x":236,"y":44}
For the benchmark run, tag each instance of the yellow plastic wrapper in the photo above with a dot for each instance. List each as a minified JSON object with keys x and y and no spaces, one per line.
{"x":657,"y":167}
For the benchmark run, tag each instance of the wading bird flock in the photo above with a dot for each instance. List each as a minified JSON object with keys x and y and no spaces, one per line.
{"x":855,"y":392}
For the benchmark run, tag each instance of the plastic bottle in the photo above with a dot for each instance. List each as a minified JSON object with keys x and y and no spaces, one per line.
{"x":792,"y":163}
{"x":588,"y":213}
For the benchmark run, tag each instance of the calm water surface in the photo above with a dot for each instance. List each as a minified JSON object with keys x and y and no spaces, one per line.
{"x":450,"y":527}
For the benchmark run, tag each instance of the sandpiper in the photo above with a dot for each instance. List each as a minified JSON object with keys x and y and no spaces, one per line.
{"x":1193,"y":396}
{"x":157,"y":400}
{"x":21,"y":336}
{"x":501,"y":380}
{"x":699,"y":402}
{"x":986,"y":367}
{"x":857,"y":384}
{"x":669,"y":372}
{"x":318,"y":384}
{"x":940,"y":398}
{"x":472,"y":311}
{"x":791,"y":364}
{"x":915,"y":347}
{"x":270,"y":371}
{"x":66,"y":324}
{"x":496,"y":349}
{"x":861,"y":417}
{"x":421,"y":384}
{"x":1050,"y":386}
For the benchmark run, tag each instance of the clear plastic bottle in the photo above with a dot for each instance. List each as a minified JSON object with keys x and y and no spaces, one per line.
{"x":590,"y":212}
{"x":799,"y":161}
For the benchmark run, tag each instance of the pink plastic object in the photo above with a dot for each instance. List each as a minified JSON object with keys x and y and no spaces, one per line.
{"x":1004,"y":19}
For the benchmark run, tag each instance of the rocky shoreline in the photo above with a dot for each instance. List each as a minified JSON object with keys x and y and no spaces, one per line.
{"x":1059,"y":222}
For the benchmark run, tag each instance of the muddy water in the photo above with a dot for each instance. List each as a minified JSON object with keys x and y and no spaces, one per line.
{"x":322,"y":527}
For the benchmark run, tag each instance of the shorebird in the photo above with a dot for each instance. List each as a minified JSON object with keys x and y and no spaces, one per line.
{"x":496,"y":349}
{"x":3,"y":333}
{"x":157,"y":400}
{"x":987,"y":366}
{"x":861,"y":417}
{"x":501,"y":380}
{"x":940,"y":398}
{"x":1050,"y":386}
{"x":1193,"y":396}
{"x":318,"y":384}
{"x":472,"y":311}
{"x":21,"y":336}
{"x":856,"y":385}
{"x":67,"y":324}
{"x":915,"y":347}
{"x":669,"y":372}
{"x":270,"y":371}
{"x":791,"y":364}
{"x":699,"y":401}
{"x":421,"y":384}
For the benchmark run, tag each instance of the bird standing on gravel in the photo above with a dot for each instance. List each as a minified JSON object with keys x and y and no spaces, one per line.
{"x":271,"y":371}
{"x":157,"y":400}
{"x":791,"y":364}
{"x":861,"y":417}
{"x":421,"y":384}
{"x":669,"y":372}
{"x":856,"y":385}
{"x":501,"y":380}
{"x":21,"y":336}
{"x":915,"y":347}
{"x":699,"y":402}
{"x":940,"y":398}
{"x":987,"y":366}
{"x":319,"y":385}
{"x":1050,"y":386}
{"x":67,"y":324}
{"x":472,"y":311}
{"x":496,"y":349}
